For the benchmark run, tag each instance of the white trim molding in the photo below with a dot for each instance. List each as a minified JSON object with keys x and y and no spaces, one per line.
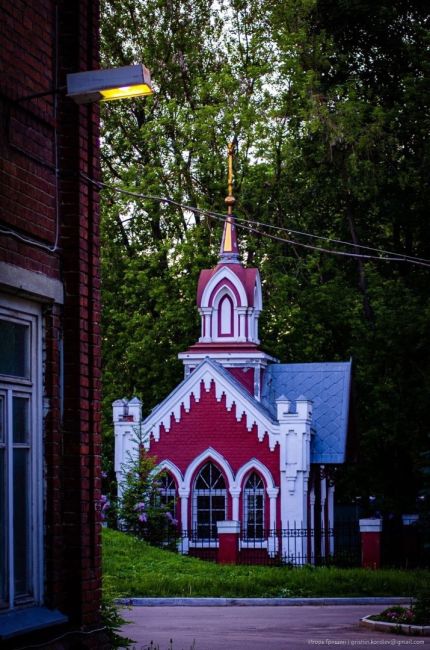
{"x":201,"y":379}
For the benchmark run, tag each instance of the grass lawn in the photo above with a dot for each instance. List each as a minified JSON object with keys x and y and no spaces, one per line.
{"x":133,"y":568}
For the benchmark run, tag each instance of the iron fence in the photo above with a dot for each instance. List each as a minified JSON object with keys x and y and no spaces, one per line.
{"x":338,"y":546}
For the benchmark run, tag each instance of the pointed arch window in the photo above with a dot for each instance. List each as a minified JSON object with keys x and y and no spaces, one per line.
{"x":253,"y":507}
{"x":209,"y":501}
{"x":167,"y":491}
{"x":225,"y":318}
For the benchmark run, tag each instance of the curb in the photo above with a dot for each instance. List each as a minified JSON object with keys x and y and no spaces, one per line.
{"x":398,"y":628}
{"x":261,"y":602}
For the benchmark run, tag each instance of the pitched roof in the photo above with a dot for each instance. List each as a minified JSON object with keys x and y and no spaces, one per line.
{"x":328,"y":386}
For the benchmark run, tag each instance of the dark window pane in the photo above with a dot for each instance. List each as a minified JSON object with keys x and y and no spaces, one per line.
{"x":218,"y":503}
{"x":20,"y":419}
{"x":210,"y":477}
{"x":203,"y":503}
{"x":2,"y":424}
{"x":203,"y":531}
{"x":254,"y":482}
{"x":204,"y":517}
{"x":218,"y":515}
{"x":21,"y":521}
{"x":218,"y":480}
{"x":3,"y":533}
{"x":14,"y":353}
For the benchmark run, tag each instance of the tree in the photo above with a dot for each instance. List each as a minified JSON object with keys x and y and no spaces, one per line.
{"x":328,"y":103}
{"x":142,"y":508}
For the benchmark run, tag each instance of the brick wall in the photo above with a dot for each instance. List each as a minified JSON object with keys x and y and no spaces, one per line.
{"x":245,"y":376}
{"x":41,"y":42}
{"x":209,"y":424}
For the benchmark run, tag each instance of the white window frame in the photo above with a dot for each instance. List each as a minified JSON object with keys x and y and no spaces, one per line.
{"x":222,"y":492}
{"x":169,"y":493}
{"x":247,"y":540}
{"x":29,"y":314}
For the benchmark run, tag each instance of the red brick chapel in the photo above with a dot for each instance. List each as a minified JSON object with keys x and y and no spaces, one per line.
{"x":246,"y":444}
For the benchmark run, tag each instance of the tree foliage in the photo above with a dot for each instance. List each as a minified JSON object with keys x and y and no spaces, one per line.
{"x":328,"y":104}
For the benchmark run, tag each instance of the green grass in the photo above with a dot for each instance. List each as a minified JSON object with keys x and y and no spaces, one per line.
{"x":133,"y":568}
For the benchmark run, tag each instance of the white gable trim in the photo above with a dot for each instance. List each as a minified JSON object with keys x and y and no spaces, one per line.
{"x":258,"y":296}
{"x":203,"y":375}
{"x":207,"y":455}
{"x":168,"y":466}
{"x":258,"y":466}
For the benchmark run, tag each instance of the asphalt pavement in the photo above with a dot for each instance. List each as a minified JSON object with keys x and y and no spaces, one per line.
{"x":258,"y":628}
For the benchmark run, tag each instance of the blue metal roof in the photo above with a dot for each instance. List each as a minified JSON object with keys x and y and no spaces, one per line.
{"x":327,"y":385}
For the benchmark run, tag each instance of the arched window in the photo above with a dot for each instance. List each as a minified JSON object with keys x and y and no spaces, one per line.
{"x":167,"y":491}
{"x":253,"y":507}
{"x":209,"y":501}
{"x":225,"y":317}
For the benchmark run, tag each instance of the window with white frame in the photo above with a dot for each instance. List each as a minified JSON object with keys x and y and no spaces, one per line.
{"x":167,"y":491}
{"x":253,"y":507}
{"x":209,"y":502}
{"x":20,"y":454}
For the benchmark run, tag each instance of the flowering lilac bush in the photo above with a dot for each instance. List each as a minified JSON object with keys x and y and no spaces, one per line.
{"x":141,"y":510}
{"x":105,"y":506}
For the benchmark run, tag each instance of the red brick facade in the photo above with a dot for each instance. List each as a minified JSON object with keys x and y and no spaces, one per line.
{"x":49,"y":243}
{"x":209,"y":424}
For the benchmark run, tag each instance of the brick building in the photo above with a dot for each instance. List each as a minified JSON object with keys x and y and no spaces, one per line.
{"x":244,"y":440}
{"x":49,"y":329}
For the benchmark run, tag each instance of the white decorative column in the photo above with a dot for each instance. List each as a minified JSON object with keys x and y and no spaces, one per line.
{"x":312,"y":500}
{"x":330,"y":504}
{"x":205,"y":313}
{"x":235,"y":494}
{"x":323,"y":492}
{"x":184,"y":493}
{"x":272,"y":542}
{"x":241,"y":332}
{"x":126,"y":418}
{"x":295,"y":433}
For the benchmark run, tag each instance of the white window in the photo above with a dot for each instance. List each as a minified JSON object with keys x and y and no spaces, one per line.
{"x":209,"y":502}
{"x":253,"y":507}
{"x":21,"y":526}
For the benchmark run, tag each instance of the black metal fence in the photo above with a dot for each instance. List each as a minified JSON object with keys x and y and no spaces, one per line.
{"x":338,"y":546}
{"x":401,"y":546}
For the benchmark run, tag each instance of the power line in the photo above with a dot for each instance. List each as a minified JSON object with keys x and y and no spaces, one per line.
{"x":384,"y":255}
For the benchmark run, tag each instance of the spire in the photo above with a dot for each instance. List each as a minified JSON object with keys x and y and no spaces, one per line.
{"x":229,"y":252}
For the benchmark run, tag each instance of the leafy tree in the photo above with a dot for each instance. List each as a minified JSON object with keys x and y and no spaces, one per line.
{"x":328,"y":103}
{"x":140,"y":508}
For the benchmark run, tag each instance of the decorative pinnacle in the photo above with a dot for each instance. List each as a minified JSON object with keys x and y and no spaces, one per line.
{"x":229,"y":252}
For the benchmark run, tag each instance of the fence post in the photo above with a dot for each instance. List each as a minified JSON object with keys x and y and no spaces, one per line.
{"x":410,"y":541}
{"x":228,"y":536}
{"x":370,"y":530}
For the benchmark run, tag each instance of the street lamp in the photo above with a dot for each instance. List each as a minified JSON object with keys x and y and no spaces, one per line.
{"x":106,"y":85}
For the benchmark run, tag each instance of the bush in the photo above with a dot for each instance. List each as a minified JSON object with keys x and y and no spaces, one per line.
{"x":141,"y":510}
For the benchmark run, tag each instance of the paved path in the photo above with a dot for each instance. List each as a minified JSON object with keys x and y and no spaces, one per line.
{"x":259,"y":628}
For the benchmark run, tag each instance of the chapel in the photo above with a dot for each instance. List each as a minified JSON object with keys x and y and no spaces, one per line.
{"x":244,"y":438}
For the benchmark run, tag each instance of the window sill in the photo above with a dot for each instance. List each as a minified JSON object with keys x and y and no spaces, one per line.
{"x":23,"y":621}
{"x":254,"y":543}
